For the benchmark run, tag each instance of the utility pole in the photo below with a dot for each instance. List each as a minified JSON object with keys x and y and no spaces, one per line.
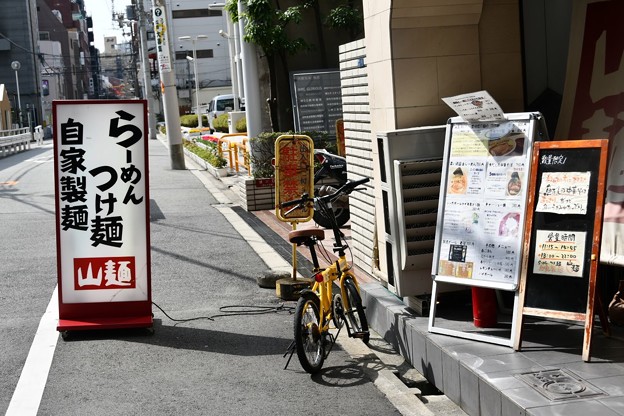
{"x":147,"y":78}
{"x":167,"y":80}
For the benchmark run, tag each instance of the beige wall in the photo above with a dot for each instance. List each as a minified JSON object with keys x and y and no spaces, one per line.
{"x":419,"y":51}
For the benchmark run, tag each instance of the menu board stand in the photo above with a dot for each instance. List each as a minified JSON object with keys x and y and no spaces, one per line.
{"x":481,"y":211}
{"x":562,"y":236}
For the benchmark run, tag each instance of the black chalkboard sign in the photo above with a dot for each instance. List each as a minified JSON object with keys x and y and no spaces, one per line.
{"x":563,"y":229}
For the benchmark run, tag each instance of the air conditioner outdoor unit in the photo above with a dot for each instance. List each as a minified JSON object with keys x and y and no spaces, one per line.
{"x":410,"y":201}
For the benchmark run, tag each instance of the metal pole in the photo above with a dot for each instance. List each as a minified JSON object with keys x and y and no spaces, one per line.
{"x":147,"y":78}
{"x":197,"y":109}
{"x":19,"y":100}
{"x":231,"y":38}
{"x":167,"y":79}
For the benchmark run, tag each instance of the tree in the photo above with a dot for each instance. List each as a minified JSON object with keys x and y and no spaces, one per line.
{"x":271,"y":26}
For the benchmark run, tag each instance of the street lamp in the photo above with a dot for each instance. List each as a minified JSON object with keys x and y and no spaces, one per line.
{"x":16,"y":66}
{"x":233,"y":66}
{"x":194,"y":59}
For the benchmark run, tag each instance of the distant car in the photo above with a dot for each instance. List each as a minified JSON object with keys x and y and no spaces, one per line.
{"x":221,"y":104}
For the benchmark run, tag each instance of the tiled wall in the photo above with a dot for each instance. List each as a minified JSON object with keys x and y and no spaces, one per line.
{"x":356,"y":115}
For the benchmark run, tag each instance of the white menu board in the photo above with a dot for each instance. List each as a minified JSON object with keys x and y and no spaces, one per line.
{"x":482,"y":202}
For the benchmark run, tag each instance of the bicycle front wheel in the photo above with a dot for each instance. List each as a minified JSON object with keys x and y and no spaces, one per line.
{"x":308,"y":337}
{"x":354,"y":311}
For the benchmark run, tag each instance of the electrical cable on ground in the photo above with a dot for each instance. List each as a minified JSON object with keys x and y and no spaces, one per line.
{"x":235,"y":310}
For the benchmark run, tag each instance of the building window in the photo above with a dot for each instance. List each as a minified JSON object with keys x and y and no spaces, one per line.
{"x":44,"y":35}
{"x":202,"y":53}
{"x":184,"y":14}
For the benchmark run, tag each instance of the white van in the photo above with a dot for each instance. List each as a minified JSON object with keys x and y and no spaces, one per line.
{"x":220,"y":104}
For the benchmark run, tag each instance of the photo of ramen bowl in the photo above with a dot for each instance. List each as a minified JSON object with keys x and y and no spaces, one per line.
{"x":501,"y":147}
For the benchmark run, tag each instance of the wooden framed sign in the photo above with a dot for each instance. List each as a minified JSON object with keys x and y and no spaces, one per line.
{"x":562,"y":233}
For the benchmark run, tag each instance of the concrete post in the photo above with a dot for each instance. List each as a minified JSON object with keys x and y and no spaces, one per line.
{"x":167,"y":79}
{"x":147,"y":79}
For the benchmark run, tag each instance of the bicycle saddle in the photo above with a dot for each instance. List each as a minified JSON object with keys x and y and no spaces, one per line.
{"x":301,"y":236}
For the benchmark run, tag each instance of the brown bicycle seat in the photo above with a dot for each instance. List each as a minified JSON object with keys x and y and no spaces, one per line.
{"x":301,"y":236}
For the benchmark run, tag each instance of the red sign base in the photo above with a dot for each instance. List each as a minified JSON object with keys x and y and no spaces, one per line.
{"x":92,"y":316}
{"x":110,"y":323}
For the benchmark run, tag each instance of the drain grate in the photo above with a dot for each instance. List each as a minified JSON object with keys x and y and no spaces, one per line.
{"x":559,"y":385}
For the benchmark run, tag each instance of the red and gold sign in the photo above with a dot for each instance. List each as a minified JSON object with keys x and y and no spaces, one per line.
{"x":294,"y":173}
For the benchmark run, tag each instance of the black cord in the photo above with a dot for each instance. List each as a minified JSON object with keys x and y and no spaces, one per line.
{"x":238,"y":310}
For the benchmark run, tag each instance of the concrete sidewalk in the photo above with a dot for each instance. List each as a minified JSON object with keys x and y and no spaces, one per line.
{"x":483,"y":378}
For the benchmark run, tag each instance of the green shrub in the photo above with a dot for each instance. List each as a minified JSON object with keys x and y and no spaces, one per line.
{"x":241,"y":125}
{"x":190,"y":120}
{"x":221,"y":123}
{"x":264,"y":150}
{"x":209,"y":153}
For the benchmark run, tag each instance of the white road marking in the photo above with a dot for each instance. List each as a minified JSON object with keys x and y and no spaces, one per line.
{"x":27,"y":395}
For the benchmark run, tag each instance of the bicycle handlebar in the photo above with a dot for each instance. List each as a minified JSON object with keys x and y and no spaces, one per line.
{"x":347,"y":188}
{"x":304,"y":198}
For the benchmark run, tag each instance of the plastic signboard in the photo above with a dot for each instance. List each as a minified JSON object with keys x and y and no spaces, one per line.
{"x":482,"y":209}
{"x":102,"y":214}
{"x":482,"y":201}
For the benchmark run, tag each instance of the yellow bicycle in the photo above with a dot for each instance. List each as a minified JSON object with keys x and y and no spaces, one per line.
{"x":319,"y":306}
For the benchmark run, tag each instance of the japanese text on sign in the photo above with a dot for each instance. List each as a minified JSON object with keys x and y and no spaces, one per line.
{"x":105,"y":227}
{"x":293,"y":173}
{"x":564,"y":192}
{"x":559,"y":253}
{"x":102,"y":201}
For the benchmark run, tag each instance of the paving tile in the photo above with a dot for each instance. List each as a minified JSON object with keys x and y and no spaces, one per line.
{"x":512,"y":362}
{"x":523,"y":398}
{"x":613,"y":386}
{"x":490,"y":399}
{"x":554,"y":356}
{"x":434,"y":365}
{"x":418,"y":348}
{"x":469,"y":390}
{"x":588,"y":371}
{"x":451,"y":377}
{"x":614,"y":403}
{"x":573,"y":408}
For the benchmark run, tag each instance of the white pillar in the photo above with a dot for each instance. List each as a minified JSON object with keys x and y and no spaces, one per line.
{"x":253,"y":105}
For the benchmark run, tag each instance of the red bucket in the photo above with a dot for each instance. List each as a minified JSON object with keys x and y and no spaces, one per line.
{"x":484,"y":307}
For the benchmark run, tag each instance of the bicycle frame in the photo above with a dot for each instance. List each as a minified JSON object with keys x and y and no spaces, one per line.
{"x":324,"y":289}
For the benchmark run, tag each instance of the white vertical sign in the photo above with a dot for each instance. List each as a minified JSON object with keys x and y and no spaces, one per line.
{"x":162,"y":39}
{"x":102,"y":201}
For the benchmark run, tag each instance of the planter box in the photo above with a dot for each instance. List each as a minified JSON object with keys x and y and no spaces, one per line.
{"x":216,"y":172}
{"x":257,"y":194}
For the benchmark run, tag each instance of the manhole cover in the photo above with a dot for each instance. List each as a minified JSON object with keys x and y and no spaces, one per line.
{"x":559,"y":384}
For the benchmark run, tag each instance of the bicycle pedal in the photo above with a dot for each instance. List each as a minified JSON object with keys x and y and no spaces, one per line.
{"x":360,"y":334}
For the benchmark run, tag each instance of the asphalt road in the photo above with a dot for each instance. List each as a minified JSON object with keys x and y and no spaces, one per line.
{"x":202,"y":267}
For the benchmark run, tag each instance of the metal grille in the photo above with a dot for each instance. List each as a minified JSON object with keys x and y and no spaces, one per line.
{"x":559,"y":385}
{"x":418,"y":186}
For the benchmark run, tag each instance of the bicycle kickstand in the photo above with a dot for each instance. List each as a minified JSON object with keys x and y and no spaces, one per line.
{"x":291,"y":350}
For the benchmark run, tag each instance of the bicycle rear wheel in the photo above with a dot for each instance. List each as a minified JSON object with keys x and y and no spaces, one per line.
{"x":308,"y":337}
{"x":354,"y":311}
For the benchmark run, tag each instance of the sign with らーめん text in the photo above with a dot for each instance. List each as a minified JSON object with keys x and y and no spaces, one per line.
{"x":102,"y":213}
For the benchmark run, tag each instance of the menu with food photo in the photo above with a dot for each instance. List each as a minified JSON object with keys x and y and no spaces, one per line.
{"x":511,"y":145}
{"x":484,"y":197}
